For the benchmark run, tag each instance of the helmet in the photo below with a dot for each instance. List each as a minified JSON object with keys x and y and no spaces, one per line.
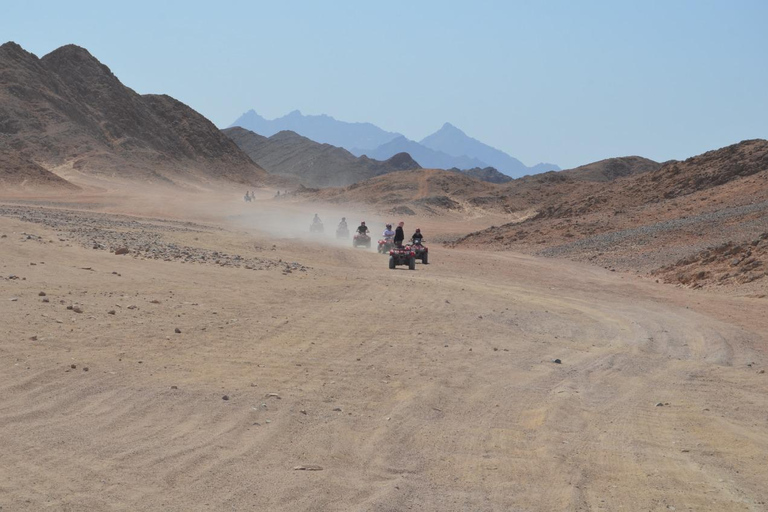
{"x":418,"y":230}
{"x":401,"y":224}
{"x":362,"y":223}
{"x":343,"y":218}
{"x":389,"y":226}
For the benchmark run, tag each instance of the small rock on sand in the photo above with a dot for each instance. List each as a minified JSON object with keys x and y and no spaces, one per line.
{"x":122,"y":250}
{"x":177,"y":330}
{"x":308,"y":467}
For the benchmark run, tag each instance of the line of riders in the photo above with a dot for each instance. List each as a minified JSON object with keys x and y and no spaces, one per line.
{"x":395,"y":237}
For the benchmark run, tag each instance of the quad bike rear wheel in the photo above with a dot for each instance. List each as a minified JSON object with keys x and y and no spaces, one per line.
{"x":411,"y":263}
{"x":392,"y":263}
{"x":424,"y":258}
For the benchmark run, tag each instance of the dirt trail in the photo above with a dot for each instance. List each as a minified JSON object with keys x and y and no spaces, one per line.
{"x":425,"y":390}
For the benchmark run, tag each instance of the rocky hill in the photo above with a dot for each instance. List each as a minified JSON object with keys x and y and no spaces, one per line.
{"x":313,"y":164}
{"x":488,"y":174}
{"x":68,"y":109}
{"x":644,"y":221}
{"x":18,"y":173}
{"x":424,"y":191}
{"x":613,"y":168}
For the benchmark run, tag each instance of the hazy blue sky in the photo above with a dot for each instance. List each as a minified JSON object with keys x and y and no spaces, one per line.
{"x":567,"y":82}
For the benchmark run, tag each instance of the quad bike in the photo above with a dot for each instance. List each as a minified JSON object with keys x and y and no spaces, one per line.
{"x":361,"y":239}
{"x":421,"y":252}
{"x":316,"y":227}
{"x":385,"y":245}
{"x":402,"y":256}
{"x":342,"y":232}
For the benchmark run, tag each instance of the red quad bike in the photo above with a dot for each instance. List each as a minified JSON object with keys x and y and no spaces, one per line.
{"x":361,"y":240}
{"x":421,"y":251}
{"x":386,"y":245}
{"x":402,"y":256}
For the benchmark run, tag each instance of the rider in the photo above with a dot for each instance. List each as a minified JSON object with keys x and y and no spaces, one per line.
{"x":316,"y":220}
{"x":362,"y":228}
{"x":399,"y":235}
{"x":343,"y":223}
{"x":388,"y":233}
{"x":417,"y":236}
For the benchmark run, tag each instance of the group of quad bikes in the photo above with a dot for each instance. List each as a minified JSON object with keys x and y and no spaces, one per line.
{"x":406,"y":254}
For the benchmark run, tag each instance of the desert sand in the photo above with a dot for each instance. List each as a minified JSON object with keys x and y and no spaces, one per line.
{"x":300,"y":374}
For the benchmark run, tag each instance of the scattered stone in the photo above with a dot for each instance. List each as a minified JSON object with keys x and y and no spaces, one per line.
{"x":177,"y":330}
{"x":111,"y":312}
{"x":308,"y":467}
{"x":303,"y":411}
{"x":557,"y":361}
{"x":685,"y":451}
{"x":85,"y":368}
{"x":73,"y":366}
{"x":337,"y":409}
{"x":41,"y":294}
{"x":154,"y":301}
{"x":33,"y":338}
{"x":761,"y":371}
{"x":659,"y":404}
{"x":273,"y":395}
{"x":14,"y":299}
{"x":121,"y":251}
{"x":174,"y":387}
{"x":225,"y":397}
{"x":77,"y":309}
{"x":46,"y":299}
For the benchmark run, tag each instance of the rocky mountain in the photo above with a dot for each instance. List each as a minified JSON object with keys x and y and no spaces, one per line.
{"x":324,"y":129}
{"x":488,"y":174}
{"x":312,"y":164}
{"x":68,"y":110}
{"x":454,"y":142}
{"x":613,"y":168}
{"x":428,"y":158}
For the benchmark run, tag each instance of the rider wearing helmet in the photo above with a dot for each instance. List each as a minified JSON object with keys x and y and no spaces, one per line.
{"x":417,"y":236}
{"x":343,"y":223}
{"x":316,"y":220}
{"x":388,"y":233}
{"x":362,"y":228}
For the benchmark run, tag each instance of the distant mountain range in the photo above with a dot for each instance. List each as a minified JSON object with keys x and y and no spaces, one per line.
{"x":68,"y":111}
{"x":427,"y":158}
{"x":447,"y":148}
{"x":323,"y":129}
{"x":454,"y":142}
{"x":313,"y":164}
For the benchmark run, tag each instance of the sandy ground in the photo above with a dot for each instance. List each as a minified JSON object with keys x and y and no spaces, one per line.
{"x":428,"y":390}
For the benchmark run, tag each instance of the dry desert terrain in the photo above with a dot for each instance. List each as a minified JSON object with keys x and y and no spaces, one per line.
{"x":228,"y":363}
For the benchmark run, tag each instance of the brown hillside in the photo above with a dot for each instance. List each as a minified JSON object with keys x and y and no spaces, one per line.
{"x":612,"y":168}
{"x":429,"y":191}
{"x":69,"y":109}
{"x":649,"y":220}
{"x":17,"y":173}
